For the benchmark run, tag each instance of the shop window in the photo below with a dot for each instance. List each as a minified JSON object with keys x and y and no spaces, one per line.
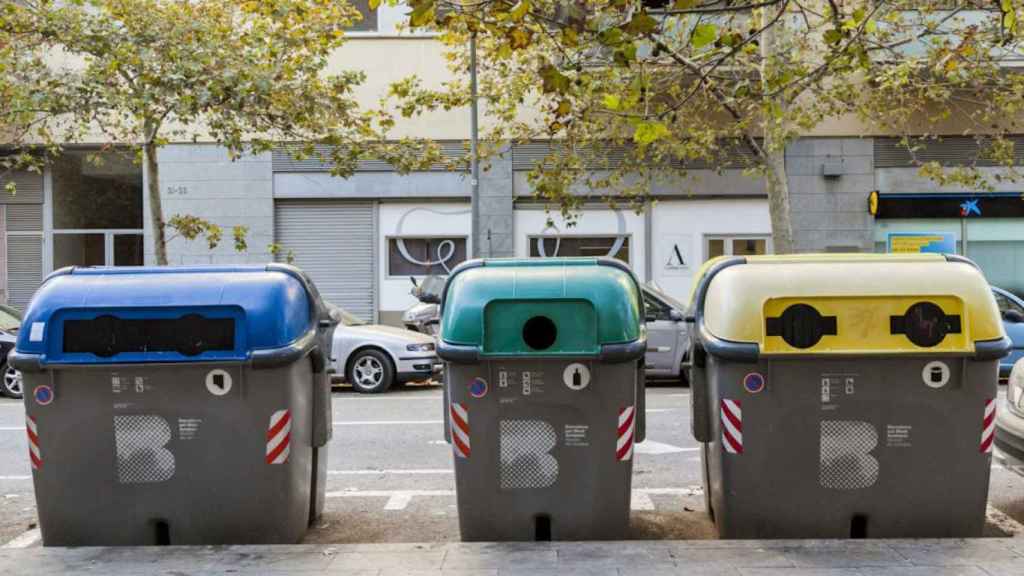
{"x":715,"y":246}
{"x":584,"y":246}
{"x":425,"y":256}
{"x":94,"y":190}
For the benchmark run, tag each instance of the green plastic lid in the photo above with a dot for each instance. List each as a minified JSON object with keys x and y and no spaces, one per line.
{"x":542,"y":307}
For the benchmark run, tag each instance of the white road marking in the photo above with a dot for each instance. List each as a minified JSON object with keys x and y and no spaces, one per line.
{"x":433,"y":398}
{"x":24,"y":540}
{"x":657,"y":410}
{"x":386,"y":422}
{"x":12,"y":428}
{"x":640,"y":499}
{"x":12,"y":405}
{"x":393,"y":471}
{"x":1004,"y":522}
{"x":15,"y":477}
{"x":651,"y":447}
{"x":398,"y":502}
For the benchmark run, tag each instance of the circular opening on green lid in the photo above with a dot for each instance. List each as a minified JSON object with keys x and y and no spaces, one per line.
{"x":539,"y":332}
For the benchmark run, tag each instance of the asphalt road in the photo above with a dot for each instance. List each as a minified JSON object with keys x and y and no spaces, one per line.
{"x":391,"y":476}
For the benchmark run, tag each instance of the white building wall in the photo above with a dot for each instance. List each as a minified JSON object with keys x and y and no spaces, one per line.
{"x":687,"y":224}
{"x":410,"y":220}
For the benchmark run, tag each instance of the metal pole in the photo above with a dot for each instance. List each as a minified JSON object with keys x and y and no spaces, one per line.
{"x":963,"y":236}
{"x":474,"y":160}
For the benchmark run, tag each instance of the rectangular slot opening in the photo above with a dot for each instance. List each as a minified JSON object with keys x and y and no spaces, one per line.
{"x":542,"y":528}
{"x":189,"y":335}
{"x":162,"y":533}
{"x":859,"y":527}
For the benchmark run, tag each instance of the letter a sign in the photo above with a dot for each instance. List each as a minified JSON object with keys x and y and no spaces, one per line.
{"x":675,"y":254}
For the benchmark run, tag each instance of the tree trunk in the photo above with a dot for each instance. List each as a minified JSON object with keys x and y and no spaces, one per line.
{"x":156,"y":211}
{"x":774,"y":145}
{"x":778,"y":202}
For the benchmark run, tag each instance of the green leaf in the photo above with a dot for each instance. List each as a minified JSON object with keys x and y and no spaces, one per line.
{"x":612,"y":101}
{"x":374,"y":4}
{"x":649,"y":132}
{"x":833,"y":36}
{"x":703,"y":34}
{"x":554,"y":80}
{"x":641,"y":24}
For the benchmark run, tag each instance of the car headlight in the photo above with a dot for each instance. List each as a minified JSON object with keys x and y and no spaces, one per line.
{"x":425,"y":347}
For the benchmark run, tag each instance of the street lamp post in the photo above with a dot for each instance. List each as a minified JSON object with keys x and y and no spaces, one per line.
{"x":474,"y":159}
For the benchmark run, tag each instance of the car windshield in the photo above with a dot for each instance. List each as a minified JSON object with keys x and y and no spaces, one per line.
{"x":652,"y":289}
{"x":432,"y":285}
{"x":9,"y":319}
{"x":344,"y":316}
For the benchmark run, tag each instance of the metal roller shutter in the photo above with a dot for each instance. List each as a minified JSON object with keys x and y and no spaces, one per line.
{"x":24,"y":268}
{"x":335,"y":243}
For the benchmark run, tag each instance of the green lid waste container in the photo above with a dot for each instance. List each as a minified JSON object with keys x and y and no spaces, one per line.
{"x":172,"y":405}
{"x":846,"y":395}
{"x":543,"y":396}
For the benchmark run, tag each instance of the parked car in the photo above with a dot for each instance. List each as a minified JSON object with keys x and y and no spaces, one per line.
{"x":373,"y":357}
{"x":425,"y":315}
{"x":668,"y":335}
{"x":10,"y":322}
{"x":1012,"y":310}
{"x":1009,"y":432}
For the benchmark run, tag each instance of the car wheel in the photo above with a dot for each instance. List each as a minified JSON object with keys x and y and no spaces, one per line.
{"x":370,"y":372}
{"x":12,"y":384}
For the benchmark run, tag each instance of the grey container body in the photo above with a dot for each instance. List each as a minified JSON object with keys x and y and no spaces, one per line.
{"x":838,"y":448}
{"x":543,"y":460}
{"x":143,"y":454}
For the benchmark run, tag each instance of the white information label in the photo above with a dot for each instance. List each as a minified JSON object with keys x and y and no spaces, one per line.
{"x":36,"y":333}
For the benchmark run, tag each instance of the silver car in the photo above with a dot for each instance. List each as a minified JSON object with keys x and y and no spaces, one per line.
{"x":668,"y":335}
{"x":373,"y":357}
{"x":10,"y":379}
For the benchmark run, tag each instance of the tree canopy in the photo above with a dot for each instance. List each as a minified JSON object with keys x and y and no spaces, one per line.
{"x":673,"y":84}
{"x":246,"y":74}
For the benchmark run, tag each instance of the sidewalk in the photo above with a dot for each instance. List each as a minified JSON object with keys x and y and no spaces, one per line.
{"x":981,"y":557}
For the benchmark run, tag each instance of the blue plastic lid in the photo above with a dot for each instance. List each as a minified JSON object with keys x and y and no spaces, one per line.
{"x":142,"y":314}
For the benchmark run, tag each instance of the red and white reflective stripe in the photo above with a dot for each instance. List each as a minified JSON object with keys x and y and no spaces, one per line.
{"x":33,"y":443}
{"x":988,"y":426}
{"x":279,"y":437}
{"x":624,"y":445}
{"x":732,"y":426}
{"x":460,"y":430}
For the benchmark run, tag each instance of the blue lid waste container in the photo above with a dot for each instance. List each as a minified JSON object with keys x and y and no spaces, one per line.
{"x":176,"y":405}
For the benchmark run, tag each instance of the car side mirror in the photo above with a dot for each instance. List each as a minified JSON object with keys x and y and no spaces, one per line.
{"x":675,"y":315}
{"x":650,"y":318}
{"x":1013,"y":316}
{"x":429,"y":298}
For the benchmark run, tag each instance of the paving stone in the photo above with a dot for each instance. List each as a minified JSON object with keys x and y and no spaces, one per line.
{"x":923,"y":571}
{"x":956,"y":552}
{"x":400,"y":560}
{"x":527,"y":558}
{"x":844,"y":556}
{"x":802,"y":571}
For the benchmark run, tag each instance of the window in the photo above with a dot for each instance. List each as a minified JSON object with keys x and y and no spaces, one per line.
{"x":656,"y":309}
{"x":1005,"y":304}
{"x":425,"y":256}
{"x":715,"y":246}
{"x":93,"y":190}
{"x":585,"y":246}
{"x":369,"y":21}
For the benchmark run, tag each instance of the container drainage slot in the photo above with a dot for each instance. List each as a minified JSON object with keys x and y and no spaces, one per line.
{"x":542,"y":528}
{"x":162,"y":533}
{"x":540,"y":332}
{"x":859,"y":527}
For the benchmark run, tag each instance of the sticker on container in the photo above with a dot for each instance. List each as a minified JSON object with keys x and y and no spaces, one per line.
{"x":36,"y":332}
{"x":218,"y":382}
{"x":936,"y":374}
{"x":43,"y":395}
{"x":478,"y":388}
{"x":576,"y":376}
{"x":753,"y":382}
